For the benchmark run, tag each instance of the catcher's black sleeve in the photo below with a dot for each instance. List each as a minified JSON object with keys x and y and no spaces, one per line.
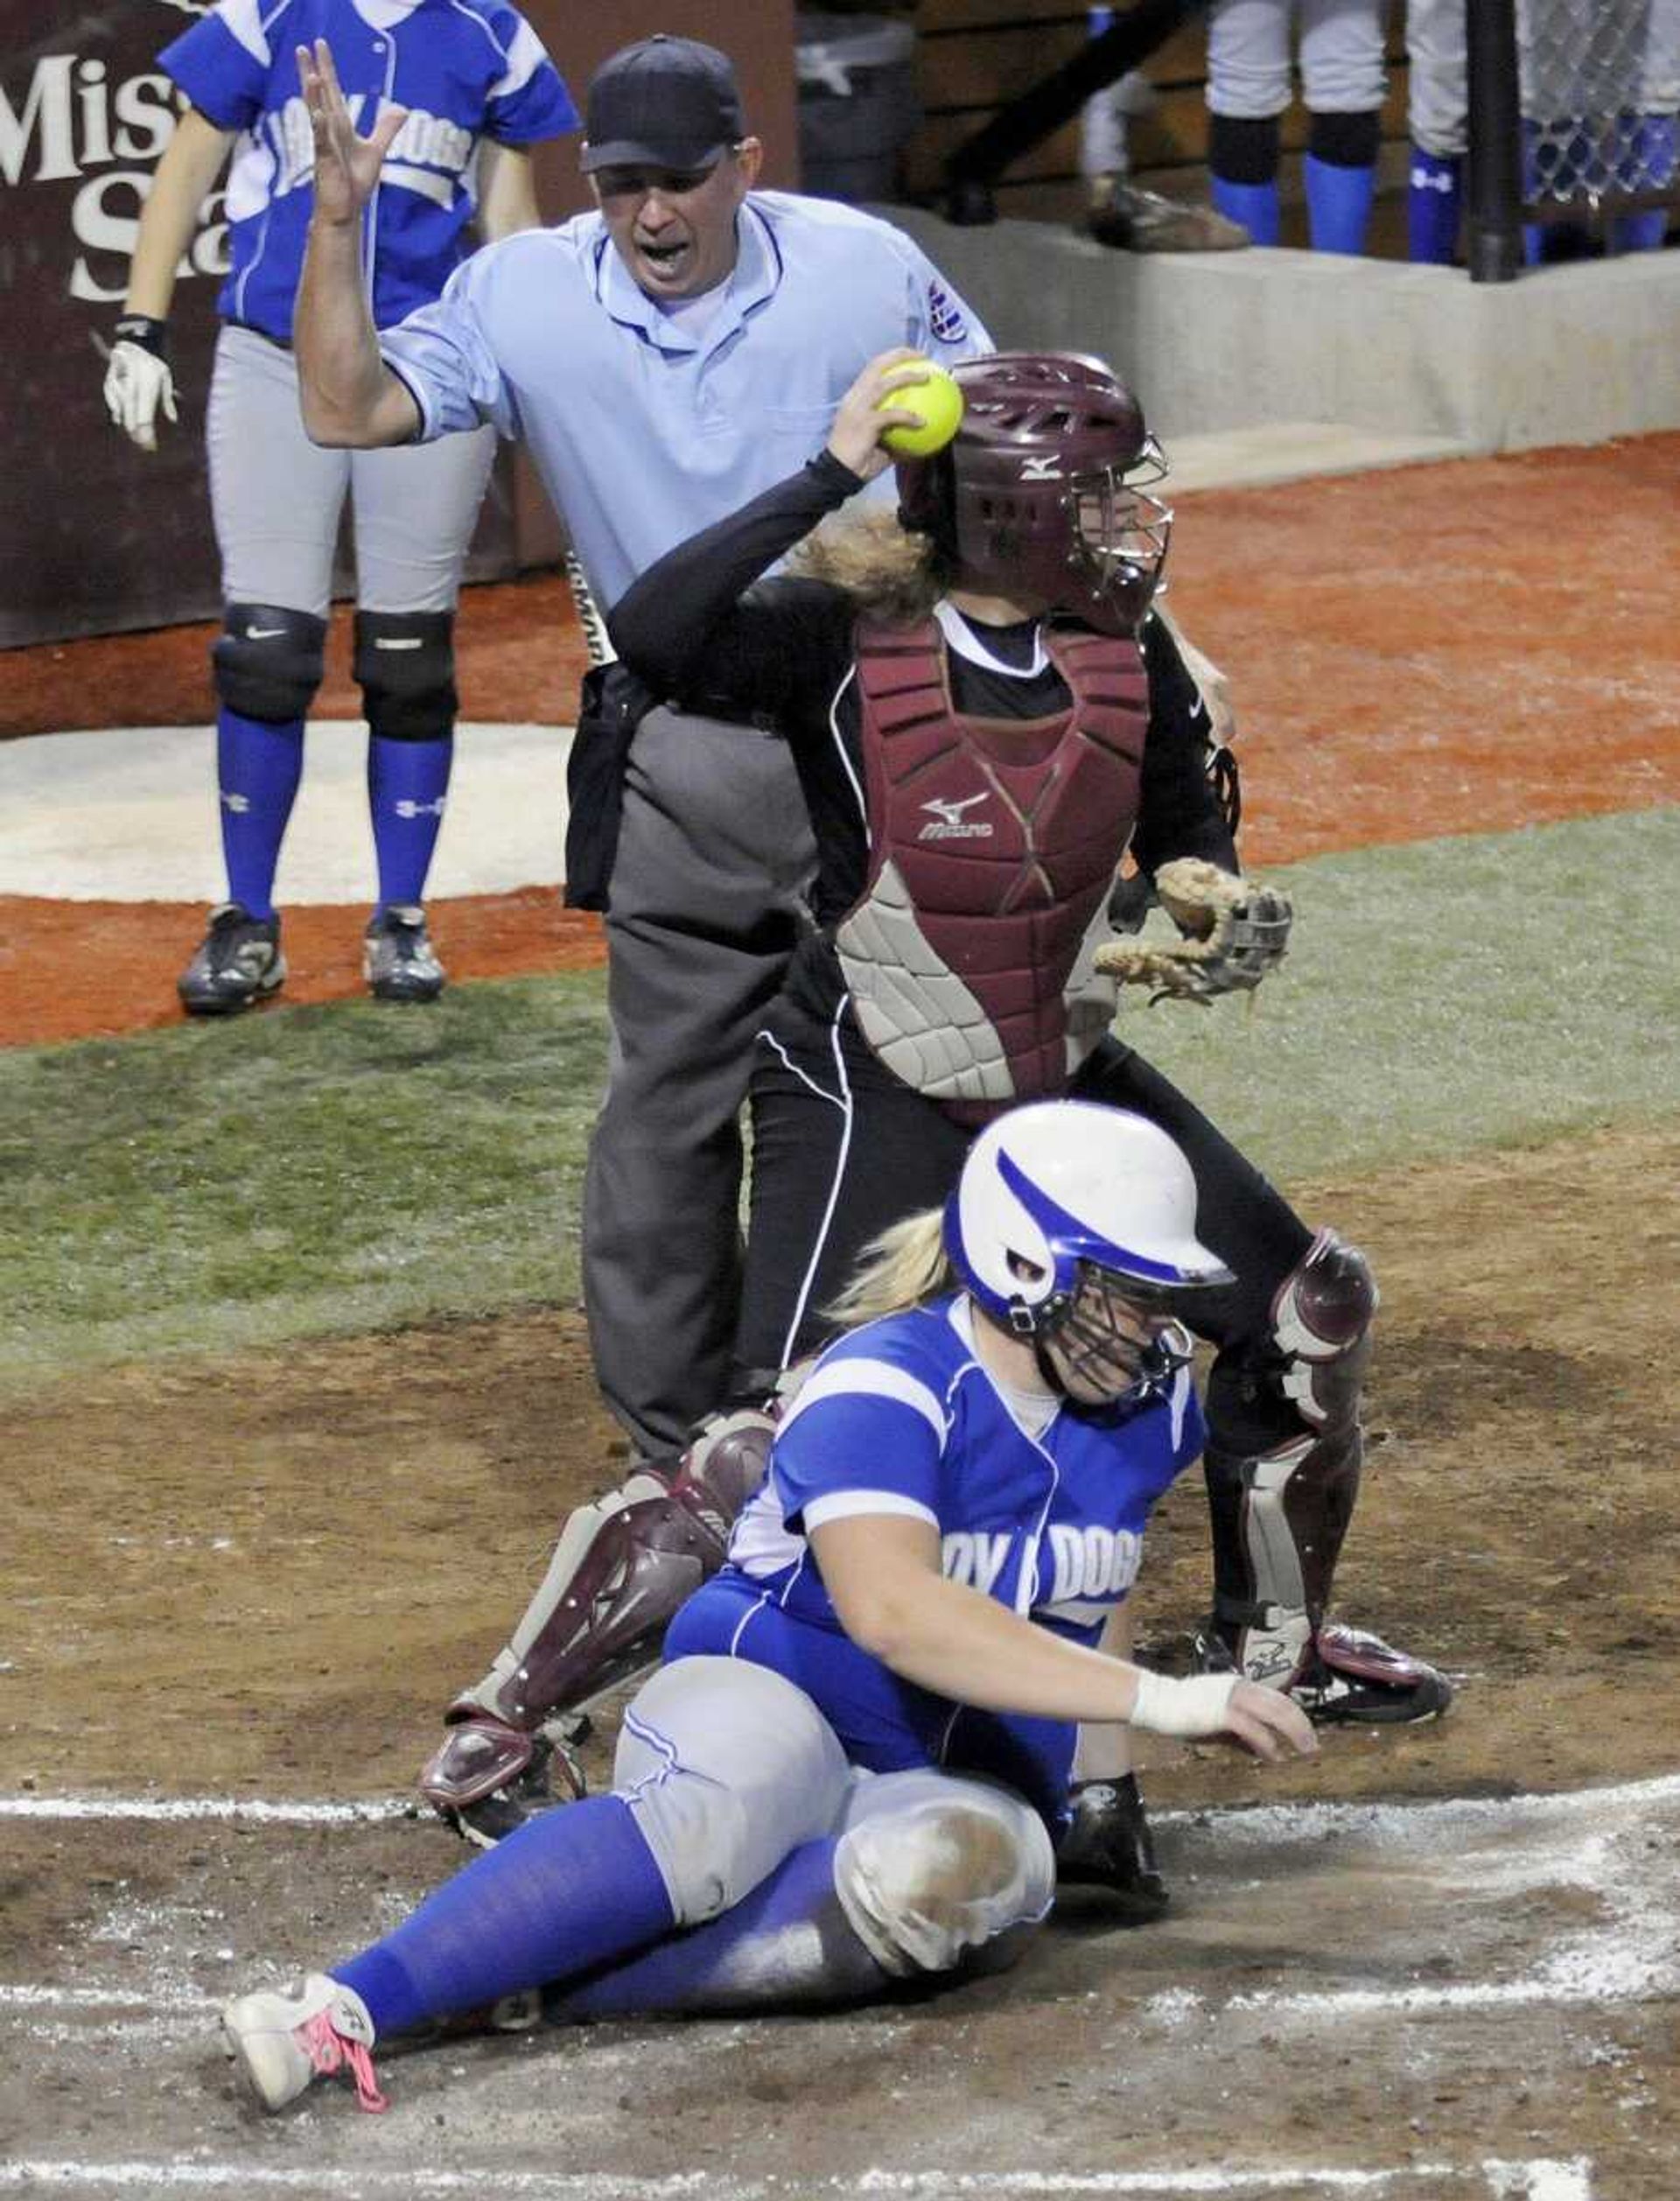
{"x":694,"y":628}
{"x":1178,"y":813}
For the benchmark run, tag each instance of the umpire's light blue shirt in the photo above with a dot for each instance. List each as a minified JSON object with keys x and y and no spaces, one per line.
{"x":642,"y":432}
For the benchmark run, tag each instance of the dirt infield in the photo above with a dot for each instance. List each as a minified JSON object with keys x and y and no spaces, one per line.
{"x":1441,"y":649}
{"x":1396,"y":2005}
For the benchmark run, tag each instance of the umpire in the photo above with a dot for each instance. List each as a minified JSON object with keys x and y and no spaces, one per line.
{"x":664,"y":359}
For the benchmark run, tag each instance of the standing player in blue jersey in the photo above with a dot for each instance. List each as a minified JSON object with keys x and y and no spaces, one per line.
{"x":464,"y":85}
{"x":854,"y":1767}
{"x":663,"y":360}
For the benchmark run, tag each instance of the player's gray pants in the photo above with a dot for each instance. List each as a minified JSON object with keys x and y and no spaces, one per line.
{"x":276,"y":497}
{"x":1341,"y":56}
{"x":707,"y":904}
{"x":728,"y":1767}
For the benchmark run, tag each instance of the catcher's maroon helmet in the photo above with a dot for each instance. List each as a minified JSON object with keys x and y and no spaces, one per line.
{"x":1043,"y":491}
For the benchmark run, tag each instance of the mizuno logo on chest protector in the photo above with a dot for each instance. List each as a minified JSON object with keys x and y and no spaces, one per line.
{"x":948,"y":823}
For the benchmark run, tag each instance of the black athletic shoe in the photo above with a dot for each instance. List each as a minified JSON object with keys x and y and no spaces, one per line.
{"x":1350,"y":1678}
{"x":1107,"y":1846}
{"x":238,"y":962}
{"x":398,"y":961}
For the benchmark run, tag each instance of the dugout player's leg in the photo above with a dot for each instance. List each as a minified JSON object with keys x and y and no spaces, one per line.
{"x":1344,"y":82}
{"x":1249,"y":87}
{"x":1286,"y":1445}
{"x":707,"y":904}
{"x":276,"y":499}
{"x":1437,"y":101}
{"x":415,"y":509}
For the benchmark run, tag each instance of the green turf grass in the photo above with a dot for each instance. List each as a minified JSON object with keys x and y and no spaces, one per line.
{"x":306,"y":1171}
{"x":297,"y":1170}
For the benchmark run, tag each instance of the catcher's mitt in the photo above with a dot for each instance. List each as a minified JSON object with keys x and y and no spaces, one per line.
{"x":1237,"y":931}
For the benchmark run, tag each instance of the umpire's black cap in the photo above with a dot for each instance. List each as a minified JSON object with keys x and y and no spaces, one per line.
{"x":665,"y":102}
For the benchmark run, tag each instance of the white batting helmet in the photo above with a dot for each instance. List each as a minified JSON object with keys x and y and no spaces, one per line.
{"x":1061,"y":1183}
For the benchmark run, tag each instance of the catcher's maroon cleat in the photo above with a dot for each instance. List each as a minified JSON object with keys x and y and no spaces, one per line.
{"x":1348,"y":1676}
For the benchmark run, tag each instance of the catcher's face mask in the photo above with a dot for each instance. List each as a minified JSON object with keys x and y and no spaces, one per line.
{"x":1111,"y":1343}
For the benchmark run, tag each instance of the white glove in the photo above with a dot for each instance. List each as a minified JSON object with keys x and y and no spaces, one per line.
{"x":138,"y":382}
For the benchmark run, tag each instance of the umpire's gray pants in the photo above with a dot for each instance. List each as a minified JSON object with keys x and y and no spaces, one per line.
{"x":708,"y":900}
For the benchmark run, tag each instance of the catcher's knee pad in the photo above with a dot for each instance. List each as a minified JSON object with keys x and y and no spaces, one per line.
{"x":946,"y":1873}
{"x":1320,"y":1321}
{"x":1279,"y":1520}
{"x":267,"y":662}
{"x":622,"y":1567}
{"x":404,"y":664}
{"x":727,"y":1767}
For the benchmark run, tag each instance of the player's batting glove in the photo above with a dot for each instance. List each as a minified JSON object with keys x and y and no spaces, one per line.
{"x":1237,"y":933}
{"x":1109,"y":1846}
{"x":137,"y":382}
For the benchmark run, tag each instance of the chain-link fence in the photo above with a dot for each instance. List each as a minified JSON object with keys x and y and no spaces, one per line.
{"x":1599,"y":83}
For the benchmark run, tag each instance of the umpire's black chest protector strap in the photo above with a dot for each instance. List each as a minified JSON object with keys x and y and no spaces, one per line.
{"x":613,"y":704}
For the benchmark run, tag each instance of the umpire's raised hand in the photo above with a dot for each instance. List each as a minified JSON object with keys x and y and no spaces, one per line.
{"x":346,"y":165}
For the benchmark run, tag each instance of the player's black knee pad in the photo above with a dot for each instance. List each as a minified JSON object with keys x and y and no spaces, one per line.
{"x":1244,"y":149}
{"x":405,"y":664}
{"x":1345,"y":141}
{"x":268,"y":660}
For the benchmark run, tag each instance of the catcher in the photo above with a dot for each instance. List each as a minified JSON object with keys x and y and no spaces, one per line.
{"x":988,"y":715}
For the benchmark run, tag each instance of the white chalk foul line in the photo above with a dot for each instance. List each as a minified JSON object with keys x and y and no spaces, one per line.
{"x":1494,"y":2179}
{"x":1262,"y":1822}
{"x":248,"y":1811}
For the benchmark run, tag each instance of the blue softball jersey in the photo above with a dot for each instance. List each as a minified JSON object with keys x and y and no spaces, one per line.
{"x":465,"y":69}
{"x":902,"y":1418}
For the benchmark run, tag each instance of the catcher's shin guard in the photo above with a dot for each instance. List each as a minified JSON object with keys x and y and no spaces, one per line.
{"x":1279,"y":1516}
{"x":621,"y":1568}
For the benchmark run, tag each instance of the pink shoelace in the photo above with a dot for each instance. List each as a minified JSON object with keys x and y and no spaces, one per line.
{"x":330,"y":2052}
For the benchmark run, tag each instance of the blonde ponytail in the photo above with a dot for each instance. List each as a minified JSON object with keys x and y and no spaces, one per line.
{"x":904,"y":1266}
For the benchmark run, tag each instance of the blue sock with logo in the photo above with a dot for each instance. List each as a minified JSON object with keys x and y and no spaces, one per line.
{"x":258,"y":766}
{"x":1651,"y":149}
{"x":406,"y":784}
{"x":787,"y":1946}
{"x":571,"y":1890}
{"x":1338,"y":204}
{"x":1255,"y":206}
{"x":1434,"y":202}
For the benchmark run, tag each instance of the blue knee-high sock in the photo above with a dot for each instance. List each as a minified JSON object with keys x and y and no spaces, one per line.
{"x":258,"y":766}
{"x":787,"y":1945}
{"x":406,"y":784}
{"x":1434,"y":201}
{"x":1652,"y":150}
{"x":1338,"y":204}
{"x":1255,"y":206}
{"x":570,"y":1890}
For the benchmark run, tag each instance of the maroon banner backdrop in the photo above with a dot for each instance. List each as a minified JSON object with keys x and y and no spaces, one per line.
{"x":95,"y":536}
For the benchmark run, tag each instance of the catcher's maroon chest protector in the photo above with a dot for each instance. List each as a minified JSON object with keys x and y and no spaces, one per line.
{"x":993,"y":847}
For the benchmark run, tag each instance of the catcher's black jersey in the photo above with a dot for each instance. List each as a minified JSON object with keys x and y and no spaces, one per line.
{"x":700,"y":629}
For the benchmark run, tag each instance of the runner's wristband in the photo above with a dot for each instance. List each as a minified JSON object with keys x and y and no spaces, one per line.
{"x":1187,"y":1709}
{"x":142,"y":329}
